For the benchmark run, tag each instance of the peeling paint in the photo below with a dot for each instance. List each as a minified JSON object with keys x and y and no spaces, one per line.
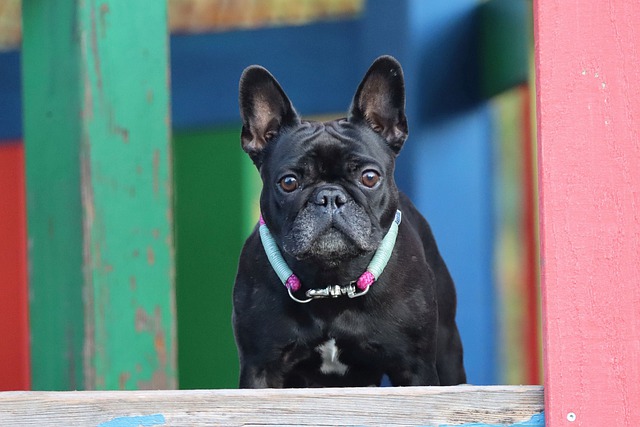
{"x":160,"y":346}
{"x":135,"y":421}
{"x":104,"y":10}
{"x":94,"y":50}
{"x":124,"y":133}
{"x":159,"y":380}
{"x":535,"y":421}
{"x":156,"y":171}
{"x":144,"y":323}
{"x":99,"y":381}
{"x":151,"y":258}
{"x":122,"y":380}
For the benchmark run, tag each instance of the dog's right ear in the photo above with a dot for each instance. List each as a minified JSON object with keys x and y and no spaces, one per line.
{"x":264,"y":108}
{"x":379,"y":101}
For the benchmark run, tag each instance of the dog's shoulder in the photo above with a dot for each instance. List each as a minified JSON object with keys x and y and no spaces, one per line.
{"x":420,"y":225}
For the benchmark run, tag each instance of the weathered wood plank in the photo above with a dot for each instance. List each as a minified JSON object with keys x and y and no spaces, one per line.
{"x":426,"y":406}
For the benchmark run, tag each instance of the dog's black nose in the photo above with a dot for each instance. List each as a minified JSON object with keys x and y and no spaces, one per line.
{"x":330,"y":197}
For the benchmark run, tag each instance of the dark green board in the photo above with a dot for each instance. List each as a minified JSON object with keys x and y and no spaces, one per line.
{"x":505,"y":35}
{"x":215,"y":202}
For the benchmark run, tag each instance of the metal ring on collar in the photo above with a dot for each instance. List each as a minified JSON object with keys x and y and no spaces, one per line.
{"x":330,"y":292}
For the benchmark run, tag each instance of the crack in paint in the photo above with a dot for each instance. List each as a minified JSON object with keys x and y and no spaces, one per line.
{"x":153,"y":325}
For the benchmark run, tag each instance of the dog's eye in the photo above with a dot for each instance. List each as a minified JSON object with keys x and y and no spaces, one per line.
{"x":289,"y":183}
{"x":370,"y":178}
{"x":268,"y":136}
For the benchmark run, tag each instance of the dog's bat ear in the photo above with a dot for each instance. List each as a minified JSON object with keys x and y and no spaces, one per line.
{"x":264,"y":108}
{"x":379,"y":101}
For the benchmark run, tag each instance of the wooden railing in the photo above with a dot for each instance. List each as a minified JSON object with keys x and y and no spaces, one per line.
{"x":424,"y":406}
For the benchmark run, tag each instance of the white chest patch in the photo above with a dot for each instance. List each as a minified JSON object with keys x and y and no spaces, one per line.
{"x":330,"y":362}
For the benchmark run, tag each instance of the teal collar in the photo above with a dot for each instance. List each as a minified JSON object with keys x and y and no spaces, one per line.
{"x":372,"y":273}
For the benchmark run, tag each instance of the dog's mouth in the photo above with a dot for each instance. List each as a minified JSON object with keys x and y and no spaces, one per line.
{"x":335,"y":236}
{"x":334,"y":243}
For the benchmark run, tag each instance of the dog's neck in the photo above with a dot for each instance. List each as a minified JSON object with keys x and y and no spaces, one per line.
{"x":315,"y":273}
{"x":319,"y":273}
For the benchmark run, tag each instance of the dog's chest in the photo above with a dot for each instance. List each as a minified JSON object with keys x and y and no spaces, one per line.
{"x":330,"y":358}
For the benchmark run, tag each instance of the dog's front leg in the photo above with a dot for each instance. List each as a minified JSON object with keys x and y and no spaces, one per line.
{"x":414,"y":373}
{"x":254,"y":376}
{"x":414,"y":362}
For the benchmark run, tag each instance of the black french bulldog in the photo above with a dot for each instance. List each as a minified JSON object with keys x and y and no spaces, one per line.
{"x":329,"y":221}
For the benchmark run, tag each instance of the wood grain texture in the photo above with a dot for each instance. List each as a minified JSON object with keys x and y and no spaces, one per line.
{"x":426,"y":406}
{"x":588,"y":83}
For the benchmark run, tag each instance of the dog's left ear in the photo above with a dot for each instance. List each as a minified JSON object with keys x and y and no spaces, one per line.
{"x":265,"y":109}
{"x":379,"y":101}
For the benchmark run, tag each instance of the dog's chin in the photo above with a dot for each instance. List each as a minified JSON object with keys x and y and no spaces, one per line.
{"x":333,"y":247}
{"x":329,"y":248}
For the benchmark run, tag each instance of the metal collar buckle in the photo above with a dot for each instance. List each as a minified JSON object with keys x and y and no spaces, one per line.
{"x":334,"y":291}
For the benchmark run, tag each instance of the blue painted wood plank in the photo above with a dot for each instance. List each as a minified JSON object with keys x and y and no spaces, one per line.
{"x":455,"y":193}
{"x":10,"y":96}
{"x":314,"y":63}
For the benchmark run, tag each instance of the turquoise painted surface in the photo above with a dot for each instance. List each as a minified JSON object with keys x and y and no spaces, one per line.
{"x":127,"y":194}
{"x":99,"y":194}
{"x":51,"y":95}
{"x":138,"y":421}
{"x":535,"y":421}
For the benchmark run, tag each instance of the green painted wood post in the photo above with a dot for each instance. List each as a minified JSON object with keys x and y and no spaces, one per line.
{"x":97,"y":132}
{"x":217,"y":207}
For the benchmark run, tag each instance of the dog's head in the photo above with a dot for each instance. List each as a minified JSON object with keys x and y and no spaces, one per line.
{"x":328,"y":188}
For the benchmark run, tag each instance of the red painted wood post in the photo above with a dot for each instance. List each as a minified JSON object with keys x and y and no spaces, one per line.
{"x":14,"y":318}
{"x":588,"y":84}
{"x":531,"y":318}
